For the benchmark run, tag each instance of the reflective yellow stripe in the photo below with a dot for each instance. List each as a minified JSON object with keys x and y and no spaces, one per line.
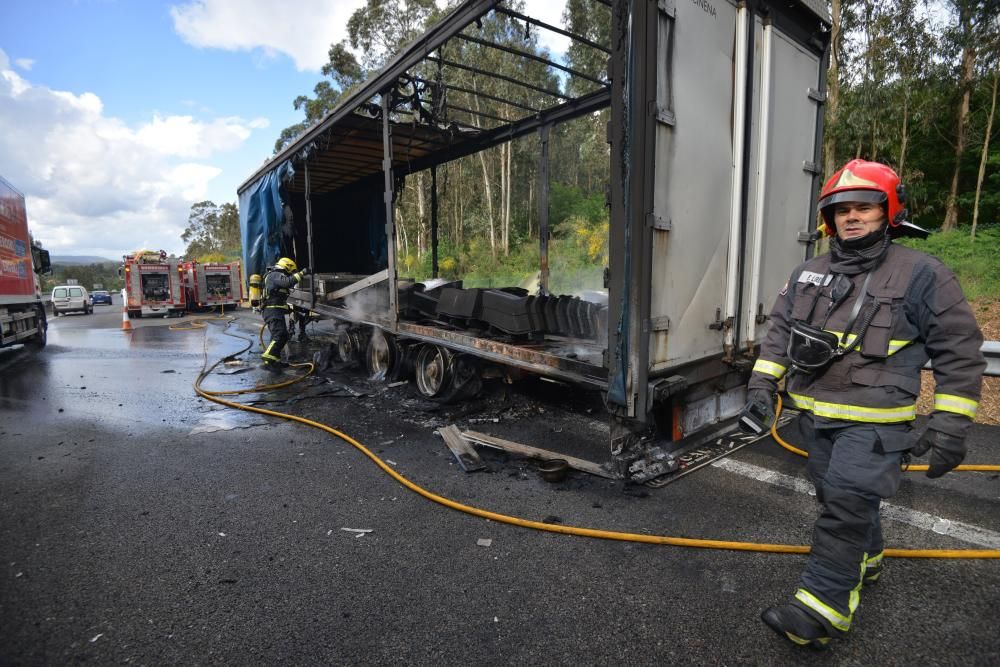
{"x":267,"y":353}
{"x":836,"y":619}
{"x":894,"y":345}
{"x":952,"y":403}
{"x":897,"y":345}
{"x":855,"y":413}
{"x":874,"y":561}
{"x":769,"y":368}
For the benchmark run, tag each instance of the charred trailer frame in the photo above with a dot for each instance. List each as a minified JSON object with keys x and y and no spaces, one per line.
{"x":715,"y":132}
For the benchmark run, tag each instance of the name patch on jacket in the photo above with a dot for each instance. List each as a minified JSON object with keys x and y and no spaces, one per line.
{"x":815,"y":278}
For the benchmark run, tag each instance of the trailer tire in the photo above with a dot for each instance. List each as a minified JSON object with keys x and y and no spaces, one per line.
{"x":381,"y":356}
{"x":433,"y":371}
{"x":348,"y":346}
{"x":38,"y":341}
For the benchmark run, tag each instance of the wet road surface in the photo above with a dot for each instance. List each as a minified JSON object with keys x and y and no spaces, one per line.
{"x":142,"y":524}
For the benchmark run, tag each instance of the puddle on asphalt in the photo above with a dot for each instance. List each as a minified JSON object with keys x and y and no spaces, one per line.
{"x":227,"y":420}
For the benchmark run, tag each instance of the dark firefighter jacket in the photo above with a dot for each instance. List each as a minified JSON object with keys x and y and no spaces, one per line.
{"x":921,"y":313}
{"x":277,"y":285}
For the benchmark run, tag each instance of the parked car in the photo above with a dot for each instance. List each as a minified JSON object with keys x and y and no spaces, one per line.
{"x":70,"y":298}
{"x":100,"y":296}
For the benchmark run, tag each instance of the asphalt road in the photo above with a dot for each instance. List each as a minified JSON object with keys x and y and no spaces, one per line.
{"x":142,"y":524}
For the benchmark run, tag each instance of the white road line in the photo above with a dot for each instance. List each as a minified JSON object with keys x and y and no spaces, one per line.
{"x":965,"y":532}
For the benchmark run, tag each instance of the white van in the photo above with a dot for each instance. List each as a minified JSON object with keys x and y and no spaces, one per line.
{"x":68,"y":298}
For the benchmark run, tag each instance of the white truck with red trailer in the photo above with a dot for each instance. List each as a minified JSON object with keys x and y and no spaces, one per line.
{"x":153,"y":284}
{"x":213,"y":285}
{"x":22,"y":313}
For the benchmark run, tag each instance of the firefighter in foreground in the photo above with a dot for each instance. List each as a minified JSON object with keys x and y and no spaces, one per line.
{"x":849,"y":333}
{"x":278,"y":281}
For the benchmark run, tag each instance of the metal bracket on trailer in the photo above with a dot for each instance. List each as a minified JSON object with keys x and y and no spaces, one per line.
{"x":373,"y":279}
{"x":659,"y":467}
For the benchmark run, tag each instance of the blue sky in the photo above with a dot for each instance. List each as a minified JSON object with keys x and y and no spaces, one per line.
{"x":117,"y":115}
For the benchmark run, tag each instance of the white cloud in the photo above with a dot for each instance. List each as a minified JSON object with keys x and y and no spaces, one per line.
{"x":95,"y":184}
{"x":24,"y":63}
{"x":183,"y":136}
{"x":548,"y":11}
{"x":303,"y":30}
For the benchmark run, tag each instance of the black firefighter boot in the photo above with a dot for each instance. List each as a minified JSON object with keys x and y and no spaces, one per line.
{"x":796,"y":625}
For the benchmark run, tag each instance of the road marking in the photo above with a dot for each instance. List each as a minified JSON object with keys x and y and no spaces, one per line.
{"x":965,"y":532}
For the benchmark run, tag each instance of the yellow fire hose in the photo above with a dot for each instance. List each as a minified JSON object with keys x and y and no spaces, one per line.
{"x":214,"y":396}
{"x":908,"y":468}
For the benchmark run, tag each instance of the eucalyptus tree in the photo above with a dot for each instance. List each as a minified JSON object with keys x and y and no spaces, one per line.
{"x":974,"y":19}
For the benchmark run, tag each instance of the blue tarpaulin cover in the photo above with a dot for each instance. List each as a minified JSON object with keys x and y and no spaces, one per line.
{"x":261,"y":219}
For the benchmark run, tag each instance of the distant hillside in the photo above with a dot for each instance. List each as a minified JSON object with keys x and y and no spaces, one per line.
{"x":81,"y":259}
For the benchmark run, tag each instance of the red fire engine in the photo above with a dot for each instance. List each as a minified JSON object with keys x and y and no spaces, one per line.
{"x":153,"y":284}
{"x":213,"y":285}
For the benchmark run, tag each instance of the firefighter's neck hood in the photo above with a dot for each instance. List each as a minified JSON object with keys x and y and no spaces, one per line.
{"x":859,"y":255}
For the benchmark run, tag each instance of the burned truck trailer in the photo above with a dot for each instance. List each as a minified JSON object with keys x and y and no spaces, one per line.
{"x":714,"y":136}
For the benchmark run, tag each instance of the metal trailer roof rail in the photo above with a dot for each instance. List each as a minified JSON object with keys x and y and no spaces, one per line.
{"x":428,"y":136}
{"x":572,"y":35}
{"x":462,"y":16}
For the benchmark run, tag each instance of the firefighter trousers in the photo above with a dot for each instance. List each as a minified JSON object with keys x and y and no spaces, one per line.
{"x":274,"y":319}
{"x":853,"y":467}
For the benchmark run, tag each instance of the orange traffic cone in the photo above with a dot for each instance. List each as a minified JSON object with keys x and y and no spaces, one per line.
{"x":126,"y":322}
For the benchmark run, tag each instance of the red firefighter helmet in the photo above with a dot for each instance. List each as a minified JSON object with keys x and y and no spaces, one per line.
{"x":861,"y":180}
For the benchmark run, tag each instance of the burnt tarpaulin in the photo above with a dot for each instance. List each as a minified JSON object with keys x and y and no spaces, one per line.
{"x":262,"y":218}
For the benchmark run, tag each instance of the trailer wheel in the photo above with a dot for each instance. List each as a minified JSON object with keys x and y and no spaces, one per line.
{"x":348,"y":346}
{"x":433,"y":370}
{"x":382,"y":356}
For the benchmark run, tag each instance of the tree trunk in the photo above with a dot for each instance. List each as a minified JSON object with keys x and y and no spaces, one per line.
{"x":531,"y":200}
{"x":489,"y":202}
{"x":486,"y":183}
{"x":904,"y":139}
{"x":421,"y":217}
{"x":986,"y":152}
{"x":968,"y":72}
{"x":402,"y":240}
{"x":504,"y":191}
{"x":506,"y":157}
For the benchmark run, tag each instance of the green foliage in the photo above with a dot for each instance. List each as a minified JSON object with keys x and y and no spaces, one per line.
{"x":578,"y":253}
{"x":88,"y":275}
{"x":901,"y":92}
{"x":213,"y":230}
{"x":567,"y":203}
{"x":976,"y":263}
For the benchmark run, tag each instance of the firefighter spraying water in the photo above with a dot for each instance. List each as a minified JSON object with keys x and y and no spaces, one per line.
{"x":278,"y":281}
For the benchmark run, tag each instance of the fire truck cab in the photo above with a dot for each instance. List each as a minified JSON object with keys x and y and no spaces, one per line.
{"x":153,"y":284}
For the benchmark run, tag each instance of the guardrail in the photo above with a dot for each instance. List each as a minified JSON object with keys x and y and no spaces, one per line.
{"x":991,"y":350}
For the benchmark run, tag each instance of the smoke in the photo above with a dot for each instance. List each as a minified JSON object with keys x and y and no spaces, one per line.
{"x":366,"y":304}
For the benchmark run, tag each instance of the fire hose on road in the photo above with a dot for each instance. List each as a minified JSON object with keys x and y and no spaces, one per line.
{"x":579,"y":531}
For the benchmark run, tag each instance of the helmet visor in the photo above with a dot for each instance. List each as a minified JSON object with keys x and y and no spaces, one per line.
{"x":867,"y":196}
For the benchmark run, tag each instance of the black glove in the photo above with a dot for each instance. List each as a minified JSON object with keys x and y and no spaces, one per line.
{"x":947,"y":451}
{"x":758,"y":413}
